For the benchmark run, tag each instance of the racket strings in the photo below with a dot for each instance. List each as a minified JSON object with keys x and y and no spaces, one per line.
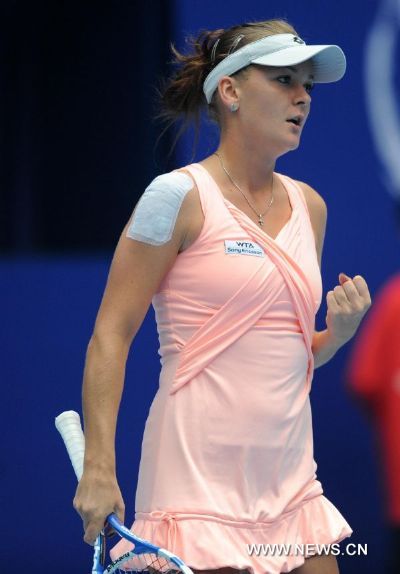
{"x":143,"y":563}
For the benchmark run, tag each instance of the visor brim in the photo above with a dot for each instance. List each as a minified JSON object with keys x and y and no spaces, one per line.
{"x":329,"y":62}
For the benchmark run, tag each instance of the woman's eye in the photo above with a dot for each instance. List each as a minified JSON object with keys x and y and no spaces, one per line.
{"x":309,"y":86}
{"x":284,"y":79}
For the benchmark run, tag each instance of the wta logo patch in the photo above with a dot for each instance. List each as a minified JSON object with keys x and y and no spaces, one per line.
{"x":243,"y":248}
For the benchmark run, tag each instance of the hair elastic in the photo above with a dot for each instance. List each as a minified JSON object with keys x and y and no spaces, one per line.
{"x":214,"y":48}
{"x":235,"y":43}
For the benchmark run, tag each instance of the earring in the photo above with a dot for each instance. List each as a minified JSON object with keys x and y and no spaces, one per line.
{"x":234,"y":106}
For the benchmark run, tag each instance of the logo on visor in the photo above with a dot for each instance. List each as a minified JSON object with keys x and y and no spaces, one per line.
{"x":298,"y":40}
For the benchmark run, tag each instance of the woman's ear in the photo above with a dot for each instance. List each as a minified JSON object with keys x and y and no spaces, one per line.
{"x":228,"y":91}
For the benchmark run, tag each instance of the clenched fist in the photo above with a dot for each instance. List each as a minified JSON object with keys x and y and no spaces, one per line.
{"x":347,"y":304}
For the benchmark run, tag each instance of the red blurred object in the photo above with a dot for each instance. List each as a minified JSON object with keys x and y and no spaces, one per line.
{"x":373,"y":375}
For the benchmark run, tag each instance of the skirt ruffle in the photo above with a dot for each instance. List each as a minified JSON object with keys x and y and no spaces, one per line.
{"x":206,"y":542}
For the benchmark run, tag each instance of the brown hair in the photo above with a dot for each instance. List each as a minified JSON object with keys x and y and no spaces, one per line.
{"x":182,"y":96}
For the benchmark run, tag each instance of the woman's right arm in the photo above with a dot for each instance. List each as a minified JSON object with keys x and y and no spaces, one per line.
{"x":136,"y":272}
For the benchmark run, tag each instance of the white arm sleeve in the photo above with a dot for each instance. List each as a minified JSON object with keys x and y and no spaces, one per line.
{"x":156,"y":212}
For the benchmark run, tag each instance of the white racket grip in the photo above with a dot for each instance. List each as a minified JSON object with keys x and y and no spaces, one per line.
{"x":69,"y":426}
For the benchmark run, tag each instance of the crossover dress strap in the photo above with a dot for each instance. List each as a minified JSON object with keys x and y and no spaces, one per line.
{"x":295,"y":279}
{"x":242,"y":311}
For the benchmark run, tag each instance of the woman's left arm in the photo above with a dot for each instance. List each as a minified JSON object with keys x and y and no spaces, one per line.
{"x":347,"y":303}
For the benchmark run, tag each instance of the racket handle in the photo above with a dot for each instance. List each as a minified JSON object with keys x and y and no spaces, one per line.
{"x":69,"y":426}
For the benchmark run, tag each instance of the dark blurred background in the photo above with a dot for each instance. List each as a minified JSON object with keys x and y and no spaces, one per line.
{"x":78,"y":98}
{"x":78,"y":145}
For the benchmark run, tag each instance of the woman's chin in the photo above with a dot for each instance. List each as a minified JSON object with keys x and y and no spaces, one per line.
{"x":290,"y":146}
{"x":293,"y":144}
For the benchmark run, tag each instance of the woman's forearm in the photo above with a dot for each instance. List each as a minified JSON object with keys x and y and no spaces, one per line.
{"x":324,"y":347}
{"x":102,"y":390}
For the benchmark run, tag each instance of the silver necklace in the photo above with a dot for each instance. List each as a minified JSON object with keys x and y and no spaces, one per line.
{"x":271,"y":201}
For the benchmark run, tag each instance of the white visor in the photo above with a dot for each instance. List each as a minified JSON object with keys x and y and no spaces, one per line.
{"x":329,"y":62}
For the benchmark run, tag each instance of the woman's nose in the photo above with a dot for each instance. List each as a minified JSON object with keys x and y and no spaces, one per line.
{"x":302,"y":96}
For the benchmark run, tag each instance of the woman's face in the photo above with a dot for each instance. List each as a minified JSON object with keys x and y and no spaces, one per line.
{"x":274,"y":105}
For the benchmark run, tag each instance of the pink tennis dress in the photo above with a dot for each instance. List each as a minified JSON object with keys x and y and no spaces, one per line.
{"x":227,"y":454}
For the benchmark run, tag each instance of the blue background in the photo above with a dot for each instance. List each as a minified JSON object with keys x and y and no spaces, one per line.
{"x":49,"y":303}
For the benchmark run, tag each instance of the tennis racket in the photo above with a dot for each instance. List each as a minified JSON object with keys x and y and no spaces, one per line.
{"x":144,"y":556}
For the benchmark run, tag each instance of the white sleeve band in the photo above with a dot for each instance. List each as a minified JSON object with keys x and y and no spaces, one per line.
{"x":156,"y":212}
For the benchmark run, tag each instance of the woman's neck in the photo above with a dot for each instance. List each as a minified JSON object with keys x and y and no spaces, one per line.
{"x":251,"y":170}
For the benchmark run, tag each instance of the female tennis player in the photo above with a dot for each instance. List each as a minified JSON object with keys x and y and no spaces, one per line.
{"x":228,"y":251}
